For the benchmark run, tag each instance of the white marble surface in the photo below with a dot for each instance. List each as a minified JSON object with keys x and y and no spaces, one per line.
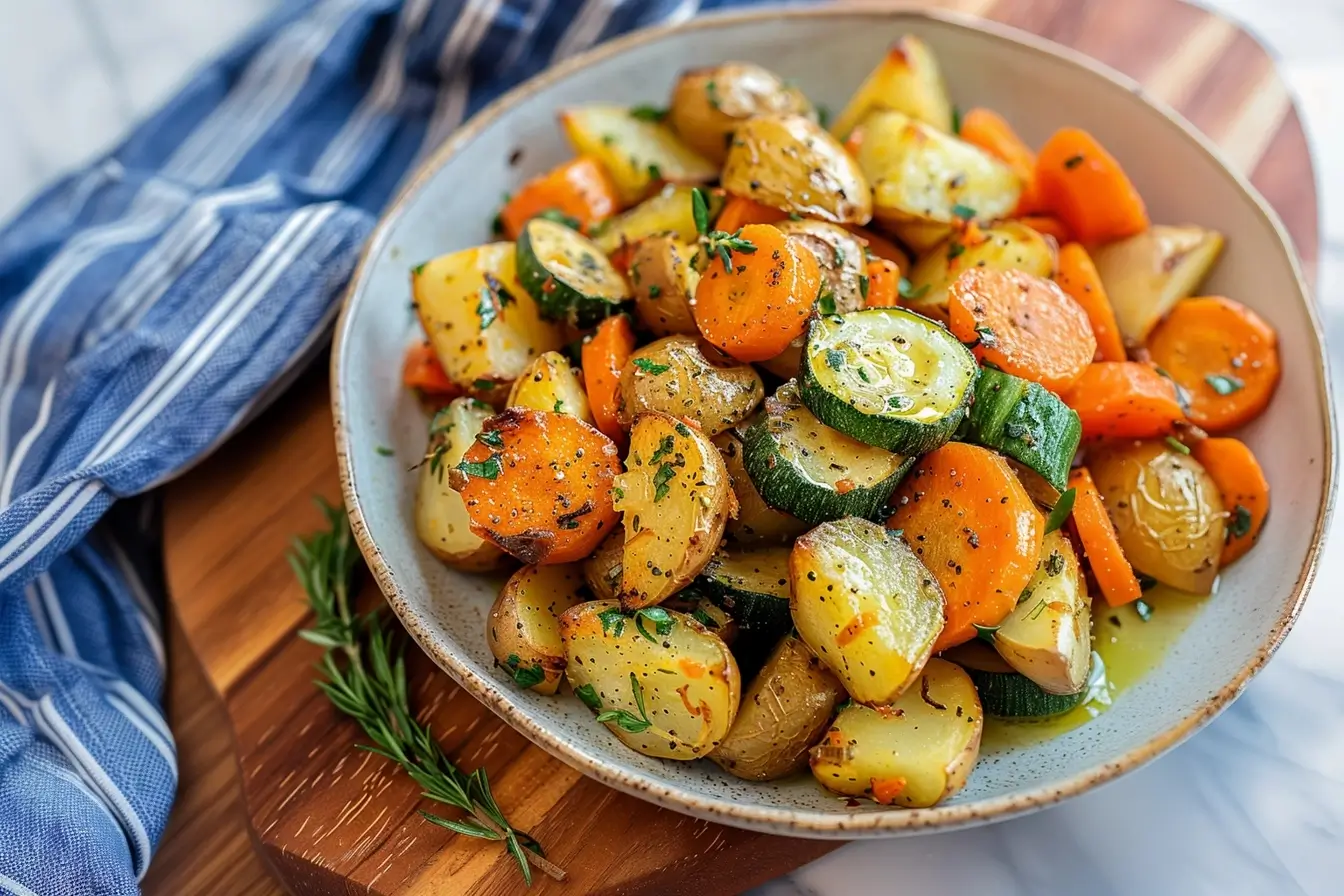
{"x":1254,"y":804}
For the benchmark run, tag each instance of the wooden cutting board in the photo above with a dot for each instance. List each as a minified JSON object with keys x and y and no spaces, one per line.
{"x":329,"y":818}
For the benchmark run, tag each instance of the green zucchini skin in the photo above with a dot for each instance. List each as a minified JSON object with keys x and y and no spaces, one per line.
{"x":752,"y":584}
{"x":1025,"y":421}
{"x":1011,"y":695}
{"x":892,"y":429}
{"x":584,"y":301}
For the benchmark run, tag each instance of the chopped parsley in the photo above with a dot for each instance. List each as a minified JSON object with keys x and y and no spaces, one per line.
{"x":906,"y":290}
{"x":964,"y":212}
{"x":524,"y":676}
{"x":985,"y":632}
{"x":1176,"y":444}
{"x":489,"y":468}
{"x":661,"y":480}
{"x":648,"y":113}
{"x":1239,"y":523}
{"x":835,"y":359}
{"x":655,"y":290}
{"x":1055,"y":564}
{"x":492,"y":438}
{"x":661,"y":619}
{"x":826,"y":303}
{"x":652,"y":368}
{"x":956,"y":119}
{"x":863,"y":286}
{"x":665,"y":446}
{"x":384,"y":451}
{"x":1224,"y":385}
{"x":1144,"y":609}
{"x":988,"y":338}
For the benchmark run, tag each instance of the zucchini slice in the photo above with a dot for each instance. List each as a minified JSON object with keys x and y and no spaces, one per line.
{"x":568,"y":274}
{"x":816,"y":473}
{"x":887,"y":377}
{"x":1006,"y":694}
{"x":1025,"y":421}
{"x":753,"y":585}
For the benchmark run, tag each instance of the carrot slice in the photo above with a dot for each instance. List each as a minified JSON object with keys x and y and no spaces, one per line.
{"x":603,"y":357}
{"x":1047,"y":226}
{"x":421,"y":370}
{"x":740,"y":211}
{"x":1101,"y":545}
{"x":1224,"y":355}
{"x":754,"y":310}
{"x":538,"y":485}
{"x":1125,"y":400}
{"x":581,"y":188}
{"x":1078,"y":277}
{"x":884,"y":284}
{"x":1083,"y":185}
{"x":1245,"y":490}
{"x":1024,"y":324}
{"x":879,"y":246}
{"x":967,"y":517}
{"x":989,"y":131}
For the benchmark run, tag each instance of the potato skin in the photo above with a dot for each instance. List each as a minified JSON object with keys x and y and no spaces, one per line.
{"x":602,"y":570}
{"x":712,"y":391}
{"x":1148,"y":273}
{"x":908,"y":80}
{"x":709,"y":103}
{"x":840,"y":256}
{"x":663,"y":281}
{"x":791,"y":163}
{"x":783,"y":713}
{"x":523,"y":628}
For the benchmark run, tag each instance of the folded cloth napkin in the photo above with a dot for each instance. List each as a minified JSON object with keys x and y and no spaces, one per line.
{"x":149,"y":306}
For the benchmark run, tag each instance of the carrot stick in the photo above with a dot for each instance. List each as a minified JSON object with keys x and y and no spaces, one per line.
{"x":754,"y":310}
{"x":1025,"y":325}
{"x":884,"y":284}
{"x":1224,"y":355}
{"x":1101,"y":545}
{"x":421,"y":370}
{"x":1078,"y":277}
{"x":1083,"y":185}
{"x":967,"y":517}
{"x":740,"y":211}
{"x":1124,"y":400}
{"x":580,"y":188}
{"x":1047,"y":226}
{"x":989,"y":131}
{"x":538,"y":485}
{"x":603,"y":357}
{"x":1245,"y":490}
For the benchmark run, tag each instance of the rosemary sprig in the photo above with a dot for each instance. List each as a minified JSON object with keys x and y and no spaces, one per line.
{"x":717,"y":242}
{"x":364,"y":676}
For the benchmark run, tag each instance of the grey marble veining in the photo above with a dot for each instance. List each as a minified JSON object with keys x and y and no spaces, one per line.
{"x":1254,"y":804}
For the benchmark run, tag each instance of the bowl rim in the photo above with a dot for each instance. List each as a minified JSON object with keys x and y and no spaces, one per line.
{"x":800,"y":821}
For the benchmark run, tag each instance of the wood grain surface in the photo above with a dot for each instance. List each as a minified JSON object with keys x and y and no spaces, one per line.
{"x":266,"y":763}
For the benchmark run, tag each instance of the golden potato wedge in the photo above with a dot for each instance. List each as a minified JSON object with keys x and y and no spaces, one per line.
{"x":663,"y":683}
{"x":666,"y":212}
{"x":636,"y":153}
{"x":483,"y":325}
{"x":916,"y":752}
{"x":523,"y":628}
{"x":675,"y":498}
{"x":1147,"y":274}
{"x":757,"y":522}
{"x":907,"y":80}
{"x":709,"y":103}
{"x":550,"y":384}
{"x":1048,"y":636}
{"x":840,"y":255}
{"x":922,"y":178}
{"x":441,"y":519}
{"x":663,"y":281}
{"x":602,"y":570}
{"x":784,"y":711}
{"x":676,"y":376}
{"x":1008,"y":246}
{"x":790,"y":162}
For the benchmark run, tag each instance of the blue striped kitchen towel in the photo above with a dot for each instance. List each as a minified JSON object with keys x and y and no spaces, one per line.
{"x":151,"y":304}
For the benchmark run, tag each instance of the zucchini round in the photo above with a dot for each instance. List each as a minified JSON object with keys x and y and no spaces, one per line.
{"x":887,"y":377}
{"x":567,"y":274}
{"x":1026,"y":422}
{"x":1007,"y":694}
{"x":812,"y":471}
{"x":753,"y":585}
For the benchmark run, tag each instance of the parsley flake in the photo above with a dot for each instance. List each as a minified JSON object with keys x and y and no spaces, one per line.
{"x":1224,"y":385}
{"x":489,"y":468}
{"x":652,"y":368}
{"x":648,"y":113}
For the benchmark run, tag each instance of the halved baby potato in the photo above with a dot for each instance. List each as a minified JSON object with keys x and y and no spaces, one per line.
{"x":675,"y":376}
{"x":1146,"y":274}
{"x":709,"y":103}
{"x":913,"y":753}
{"x":550,"y":384}
{"x":1008,"y":246}
{"x":636,"y":153}
{"x":663,"y":281}
{"x":1048,"y":636}
{"x":790,"y":162}
{"x":675,"y":497}
{"x":483,"y":325}
{"x":907,"y":80}
{"x":523,"y":628}
{"x":840,"y":256}
{"x":441,"y":519}
{"x":925,"y":180}
{"x":663,"y":683}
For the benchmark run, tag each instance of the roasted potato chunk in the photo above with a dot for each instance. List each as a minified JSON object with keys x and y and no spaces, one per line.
{"x":663,"y":683}
{"x":1048,"y":636}
{"x":907,"y":80}
{"x":841,"y":257}
{"x":709,"y":103}
{"x":664,"y":282}
{"x":1009,"y":246}
{"x":791,"y":163}
{"x":550,"y":384}
{"x":636,"y":153}
{"x":523,"y":628}
{"x":441,"y":519}
{"x":675,"y":376}
{"x":666,"y":212}
{"x":1147,"y":274}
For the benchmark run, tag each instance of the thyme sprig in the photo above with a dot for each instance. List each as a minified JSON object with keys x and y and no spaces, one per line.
{"x":364,"y":676}
{"x":717,"y":242}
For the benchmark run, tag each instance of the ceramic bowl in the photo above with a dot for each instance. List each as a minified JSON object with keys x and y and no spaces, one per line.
{"x":1039,"y":87}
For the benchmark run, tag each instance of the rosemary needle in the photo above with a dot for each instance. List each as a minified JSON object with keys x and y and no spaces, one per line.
{"x":364,"y":676}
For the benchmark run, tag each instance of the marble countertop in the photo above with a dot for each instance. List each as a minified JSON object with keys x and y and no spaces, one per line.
{"x":1253,"y":804}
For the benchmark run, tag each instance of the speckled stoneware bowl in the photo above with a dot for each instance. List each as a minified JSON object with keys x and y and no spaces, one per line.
{"x":1039,"y":87}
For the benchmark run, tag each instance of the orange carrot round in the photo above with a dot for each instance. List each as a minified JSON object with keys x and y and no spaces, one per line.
{"x":755,"y":309}
{"x":1124,"y":400}
{"x":1245,"y":490}
{"x":1048,"y":226}
{"x":1083,"y":185}
{"x":421,"y":370}
{"x":1224,"y":355}
{"x":580,"y":188}
{"x":740,"y":211}
{"x":603,"y":357}
{"x":989,"y":131}
{"x":1027,"y":326}
{"x":967,"y":517}
{"x":538,"y":485}
{"x":1101,"y":546}
{"x":884,"y":284}
{"x":1078,"y":277}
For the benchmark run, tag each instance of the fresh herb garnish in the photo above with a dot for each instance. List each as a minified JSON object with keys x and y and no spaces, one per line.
{"x":712,"y":94}
{"x":571,"y":520}
{"x":1224,"y":385}
{"x":1239,"y":523}
{"x":487,"y":469}
{"x":987,"y":337}
{"x":524,"y":676}
{"x":954,"y":249}
{"x":648,"y":113}
{"x":1182,"y":393}
{"x":661,"y":619}
{"x":1144,"y":609}
{"x":1176,"y":444}
{"x":956,"y":119}
{"x":624,"y":719}
{"x":559,"y":217}
{"x":704,"y":618}
{"x":655,"y":173}
{"x":588,"y":696}
{"x":1073,"y":161}
{"x":492,"y":437}
{"x":418,"y":269}
{"x":823,"y":115}
{"x":652,"y":368}
{"x":665,"y":446}
{"x":384,"y":451}
{"x":487,"y":307}
{"x":964,"y":212}
{"x":661,"y":480}
{"x":483,"y":384}
{"x":1055,"y":564}
{"x":683,"y":430}
{"x":717,"y":242}
{"x":613,"y":621}
{"x":364,"y":676}
{"x":655,"y":290}
{"x":1060,"y":513}
{"x":985,"y":632}
{"x":559,"y":406}
{"x":907,"y":291}
{"x":826,"y":303}
{"x":863,"y":286}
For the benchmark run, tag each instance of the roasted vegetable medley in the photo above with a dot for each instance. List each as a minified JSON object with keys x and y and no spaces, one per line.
{"x":816,"y":445}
